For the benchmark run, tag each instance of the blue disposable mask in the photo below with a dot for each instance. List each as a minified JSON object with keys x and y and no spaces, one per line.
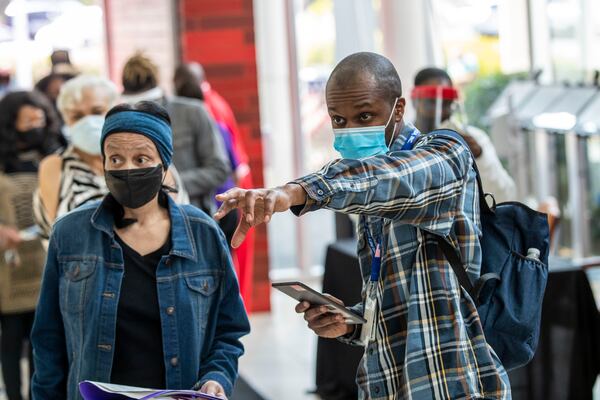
{"x":356,"y":143}
{"x":85,"y":134}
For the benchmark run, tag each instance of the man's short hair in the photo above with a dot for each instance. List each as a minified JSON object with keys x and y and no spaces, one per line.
{"x":431,"y":73}
{"x":377,"y":66}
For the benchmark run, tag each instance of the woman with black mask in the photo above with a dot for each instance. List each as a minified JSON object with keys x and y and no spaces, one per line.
{"x":28,"y":132}
{"x":137,"y":290}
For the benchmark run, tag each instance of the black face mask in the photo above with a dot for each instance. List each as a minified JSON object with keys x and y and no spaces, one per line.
{"x":132,"y":188}
{"x":30,"y":139}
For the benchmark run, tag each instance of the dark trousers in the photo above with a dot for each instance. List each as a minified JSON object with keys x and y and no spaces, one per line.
{"x":16,"y":329}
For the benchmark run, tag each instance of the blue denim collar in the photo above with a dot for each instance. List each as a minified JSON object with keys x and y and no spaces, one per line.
{"x":182,"y":240}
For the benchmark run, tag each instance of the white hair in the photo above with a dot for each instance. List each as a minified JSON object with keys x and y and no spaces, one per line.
{"x":72,"y":91}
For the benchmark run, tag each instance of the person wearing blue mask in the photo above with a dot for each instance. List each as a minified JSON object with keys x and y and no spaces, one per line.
{"x":74,"y":176}
{"x":423,"y":338}
{"x":137,"y":290}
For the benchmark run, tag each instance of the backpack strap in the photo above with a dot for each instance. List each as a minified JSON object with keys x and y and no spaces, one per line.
{"x":448,"y":133}
{"x":457,"y":266}
{"x":453,"y":258}
{"x":451,"y":253}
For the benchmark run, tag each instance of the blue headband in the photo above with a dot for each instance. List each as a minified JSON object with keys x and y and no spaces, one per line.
{"x":154,"y":128}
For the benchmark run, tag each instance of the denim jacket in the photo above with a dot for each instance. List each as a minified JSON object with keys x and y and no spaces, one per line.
{"x":201,"y":311}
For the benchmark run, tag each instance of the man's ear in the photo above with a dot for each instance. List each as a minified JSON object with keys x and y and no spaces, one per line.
{"x":399,"y":111}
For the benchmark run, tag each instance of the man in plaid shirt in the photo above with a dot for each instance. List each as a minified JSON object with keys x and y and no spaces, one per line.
{"x":427,"y":341}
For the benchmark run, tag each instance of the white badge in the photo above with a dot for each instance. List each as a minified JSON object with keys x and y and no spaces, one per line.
{"x":367,"y":333}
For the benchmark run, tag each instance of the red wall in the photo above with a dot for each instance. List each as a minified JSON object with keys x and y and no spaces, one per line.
{"x":219,"y":34}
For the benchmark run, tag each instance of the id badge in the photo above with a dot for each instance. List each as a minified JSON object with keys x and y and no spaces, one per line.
{"x":368,"y":329}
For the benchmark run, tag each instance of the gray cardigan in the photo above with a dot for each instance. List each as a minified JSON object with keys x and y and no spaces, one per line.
{"x":199,"y":152}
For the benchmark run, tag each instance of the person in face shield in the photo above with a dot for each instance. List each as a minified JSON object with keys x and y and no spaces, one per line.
{"x":137,"y":290}
{"x":423,"y":338}
{"x":436,"y":102}
{"x":75,"y":176}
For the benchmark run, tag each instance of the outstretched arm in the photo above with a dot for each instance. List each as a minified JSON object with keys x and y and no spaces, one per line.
{"x":422,"y":187}
{"x":258,"y":206}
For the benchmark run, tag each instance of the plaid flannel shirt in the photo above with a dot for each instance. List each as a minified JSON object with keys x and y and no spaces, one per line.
{"x":428,"y":341}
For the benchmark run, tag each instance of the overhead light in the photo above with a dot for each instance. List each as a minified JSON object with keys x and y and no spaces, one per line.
{"x":561,"y":121}
{"x":14,"y":8}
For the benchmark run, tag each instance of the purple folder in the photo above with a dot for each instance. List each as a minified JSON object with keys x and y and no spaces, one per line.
{"x":105,"y":391}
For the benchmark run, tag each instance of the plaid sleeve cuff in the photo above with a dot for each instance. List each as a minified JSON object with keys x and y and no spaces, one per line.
{"x":318,"y":193}
{"x":353,"y":338}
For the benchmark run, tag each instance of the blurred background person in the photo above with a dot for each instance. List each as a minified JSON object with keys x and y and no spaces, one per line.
{"x":50,"y":84}
{"x":28,"y":132}
{"x":187,"y":76}
{"x":76,"y":175}
{"x":187,"y":85}
{"x":200,"y":155}
{"x":189,"y":81}
{"x":435,"y":100}
{"x":4,"y":82}
{"x":62,"y":71}
{"x":21,"y":263}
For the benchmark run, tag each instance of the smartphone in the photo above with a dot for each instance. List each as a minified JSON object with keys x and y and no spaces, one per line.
{"x":301,"y":292}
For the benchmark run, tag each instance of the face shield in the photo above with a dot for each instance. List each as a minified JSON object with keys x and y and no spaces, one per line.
{"x":434,"y":106}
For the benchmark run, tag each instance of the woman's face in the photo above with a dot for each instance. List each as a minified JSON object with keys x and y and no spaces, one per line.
{"x":94,"y":101}
{"x":129,"y":151}
{"x":133,"y":169}
{"x":30,"y":117}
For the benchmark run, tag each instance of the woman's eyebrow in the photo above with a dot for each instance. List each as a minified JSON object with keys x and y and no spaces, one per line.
{"x":115,"y":146}
{"x":144,"y":146}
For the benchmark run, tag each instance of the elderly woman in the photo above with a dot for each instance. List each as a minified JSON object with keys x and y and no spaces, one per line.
{"x":76,"y":176}
{"x":137,"y":290}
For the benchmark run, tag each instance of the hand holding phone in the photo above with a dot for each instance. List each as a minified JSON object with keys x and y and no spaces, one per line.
{"x":325,"y":322}
{"x":326,"y":315}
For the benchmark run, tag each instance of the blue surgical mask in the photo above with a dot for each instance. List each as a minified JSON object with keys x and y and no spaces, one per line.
{"x":85,"y":134}
{"x":356,"y":143}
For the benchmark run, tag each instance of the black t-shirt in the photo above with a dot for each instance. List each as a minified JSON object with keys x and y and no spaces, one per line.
{"x":138,"y":358}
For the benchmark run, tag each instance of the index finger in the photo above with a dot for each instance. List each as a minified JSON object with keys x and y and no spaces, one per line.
{"x":226,"y":207}
{"x":230,"y":199}
{"x":234,"y":193}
